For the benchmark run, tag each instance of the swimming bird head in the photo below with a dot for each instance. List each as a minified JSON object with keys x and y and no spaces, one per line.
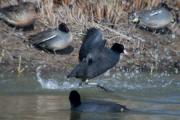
{"x":63,"y":27}
{"x":74,"y":98}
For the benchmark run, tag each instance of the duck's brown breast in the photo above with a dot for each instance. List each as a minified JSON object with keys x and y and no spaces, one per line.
{"x":24,"y":19}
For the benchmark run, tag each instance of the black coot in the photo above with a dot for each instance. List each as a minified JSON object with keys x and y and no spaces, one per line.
{"x":93,"y":105}
{"x":98,"y":61}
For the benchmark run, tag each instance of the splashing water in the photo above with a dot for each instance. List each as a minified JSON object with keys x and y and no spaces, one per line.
{"x":46,"y":84}
{"x":54,"y":84}
{"x":133,"y":83}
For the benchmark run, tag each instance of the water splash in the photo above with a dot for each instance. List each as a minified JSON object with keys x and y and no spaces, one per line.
{"x":46,"y":84}
{"x":54,"y":84}
{"x":129,"y":82}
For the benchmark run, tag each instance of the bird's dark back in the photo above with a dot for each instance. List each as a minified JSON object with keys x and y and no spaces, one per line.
{"x":101,"y":62}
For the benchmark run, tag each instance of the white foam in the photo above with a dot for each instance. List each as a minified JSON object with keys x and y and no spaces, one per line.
{"x":52,"y":83}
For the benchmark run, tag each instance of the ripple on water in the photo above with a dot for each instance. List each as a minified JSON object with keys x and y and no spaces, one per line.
{"x":143,"y":83}
{"x":129,"y":83}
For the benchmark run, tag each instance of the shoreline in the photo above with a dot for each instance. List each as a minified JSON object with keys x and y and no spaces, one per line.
{"x":147,"y":51}
{"x":142,"y":55}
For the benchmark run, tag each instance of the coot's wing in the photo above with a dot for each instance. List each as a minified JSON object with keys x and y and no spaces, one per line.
{"x":85,"y":49}
{"x":92,"y":40}
{"x":79,"y":71}
{"x":97,"y":62}
{"x":100,"y":62}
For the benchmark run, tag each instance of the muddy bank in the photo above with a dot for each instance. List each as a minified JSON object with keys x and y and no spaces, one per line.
{"x":147,"y":51}
{"x":151,"y":52}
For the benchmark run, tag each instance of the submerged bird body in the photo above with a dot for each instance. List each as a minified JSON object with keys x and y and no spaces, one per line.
{"x":21,"y":15}
{"x":93,"y":105}
{"x":92,"y":40}
{"x":97,"y":62}
{"x":99,"y":106}
{"x":53,"y":39}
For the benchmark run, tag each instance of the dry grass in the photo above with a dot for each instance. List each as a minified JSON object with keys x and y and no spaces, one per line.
{"x":110,"y":11}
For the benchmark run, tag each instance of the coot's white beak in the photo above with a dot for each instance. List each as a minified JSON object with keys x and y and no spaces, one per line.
{"x":125,"y":52}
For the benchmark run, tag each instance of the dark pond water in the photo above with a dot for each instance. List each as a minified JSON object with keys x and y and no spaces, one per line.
{"x":45,"y":97}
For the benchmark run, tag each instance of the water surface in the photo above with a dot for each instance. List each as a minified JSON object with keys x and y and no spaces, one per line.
{"x":45,"y":97}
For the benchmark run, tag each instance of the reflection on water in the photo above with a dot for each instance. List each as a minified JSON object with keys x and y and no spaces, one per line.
{"x":120,"y":116}
{"x":45,"y":97}
{"x":33,"y":107}
{"x":56,"y":107}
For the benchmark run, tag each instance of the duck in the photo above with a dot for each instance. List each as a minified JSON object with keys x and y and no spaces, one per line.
{"x":153,"y":20}
{"x":93,"y":105}
{"x":21,"y":16}
{"x":93,"y":39}
{"x":52,"y":39}
{"x":97,"y":62}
